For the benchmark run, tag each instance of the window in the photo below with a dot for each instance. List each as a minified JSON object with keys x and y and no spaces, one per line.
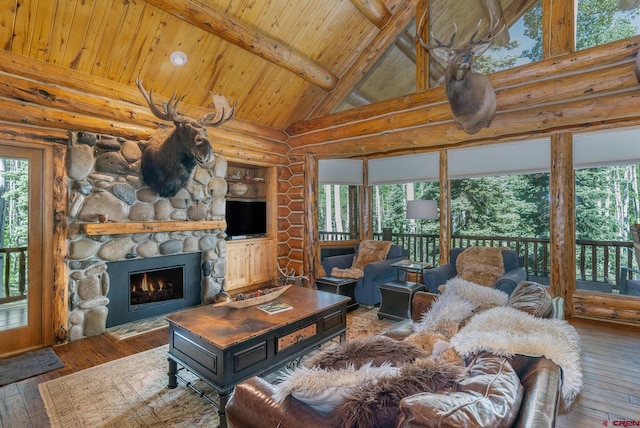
{"x":606,"y":165}
{"x":338,"y":212}
{"x":602,"y":21}
{"x":340,"y":182}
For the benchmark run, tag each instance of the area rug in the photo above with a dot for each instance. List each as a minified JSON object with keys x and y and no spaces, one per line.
{"x":129,"y":392}
{"x":27,"y":365}
{"x":364,"y":322}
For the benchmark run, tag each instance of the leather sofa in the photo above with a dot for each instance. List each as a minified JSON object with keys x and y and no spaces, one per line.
{"x":514,"y":273}
{"x":488,"y":397}
{"x":377,"y":273}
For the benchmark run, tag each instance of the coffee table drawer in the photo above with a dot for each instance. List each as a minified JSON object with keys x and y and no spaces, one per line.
{"x":297,"y":336}
{"x":248,"y":357}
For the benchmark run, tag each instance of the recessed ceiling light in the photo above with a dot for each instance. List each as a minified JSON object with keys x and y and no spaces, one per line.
{"x":178,"y":58}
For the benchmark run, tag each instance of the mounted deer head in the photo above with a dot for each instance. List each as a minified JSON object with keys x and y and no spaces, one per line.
{"x":168,"y":160}
{"x":471,"y":97}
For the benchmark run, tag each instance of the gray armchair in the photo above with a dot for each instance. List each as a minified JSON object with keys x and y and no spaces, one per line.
{"x":514,"y":273}
{"x":366,"y":291}
{"x":629,"y":286}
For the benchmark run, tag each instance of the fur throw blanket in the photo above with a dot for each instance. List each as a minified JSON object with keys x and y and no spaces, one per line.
{"x":369,"y":251}
{"x":482,"y":265}
{"x":506,"y":331}
{"x":459,"y":300}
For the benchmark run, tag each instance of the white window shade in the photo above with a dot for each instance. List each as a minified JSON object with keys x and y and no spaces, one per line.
{"x":340,"y":171}
{"x":606,"y":148}
{"x":518,"y":157}
{"x":405,"y":169}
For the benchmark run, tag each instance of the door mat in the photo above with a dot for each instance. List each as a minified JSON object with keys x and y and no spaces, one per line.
{"x":28,"y":365}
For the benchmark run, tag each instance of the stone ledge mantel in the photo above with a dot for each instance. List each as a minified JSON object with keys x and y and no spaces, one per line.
{"x":127,"y":228}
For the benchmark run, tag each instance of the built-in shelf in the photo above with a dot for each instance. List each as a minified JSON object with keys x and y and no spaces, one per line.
{"x":113,"y":228}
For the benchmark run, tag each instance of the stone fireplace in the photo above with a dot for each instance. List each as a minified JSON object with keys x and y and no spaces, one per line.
{"x":105,"y":183}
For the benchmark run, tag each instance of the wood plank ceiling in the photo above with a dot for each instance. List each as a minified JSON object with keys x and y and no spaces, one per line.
{"x":282,"y":61}
{"x":276,"y":58}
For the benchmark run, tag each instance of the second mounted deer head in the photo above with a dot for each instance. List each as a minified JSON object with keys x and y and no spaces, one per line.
{"x":168,"y":160}
{"x":471,"y":96}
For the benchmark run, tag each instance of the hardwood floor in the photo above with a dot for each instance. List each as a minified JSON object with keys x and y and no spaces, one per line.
{"x":611,"y":366}
{"x":20,"y":402}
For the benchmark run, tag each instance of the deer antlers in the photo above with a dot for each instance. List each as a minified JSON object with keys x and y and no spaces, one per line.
{"x":170,"y":108}
{"x":486,"y":38}
{"x":169,"y":111}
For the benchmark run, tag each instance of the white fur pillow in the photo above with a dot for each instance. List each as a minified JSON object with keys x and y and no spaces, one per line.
{"x":325,"y":389}
{"x":449,"y":306}
{"x":476,"y":293}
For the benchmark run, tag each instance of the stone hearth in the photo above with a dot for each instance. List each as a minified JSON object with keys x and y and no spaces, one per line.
{"x":105,"y":179}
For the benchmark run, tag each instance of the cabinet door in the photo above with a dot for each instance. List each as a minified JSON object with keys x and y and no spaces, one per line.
{"x":260,"y":267}
{"x":237,"y":259}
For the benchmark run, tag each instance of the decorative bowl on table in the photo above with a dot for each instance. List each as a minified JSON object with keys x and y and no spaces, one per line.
{"x":243,"y":300}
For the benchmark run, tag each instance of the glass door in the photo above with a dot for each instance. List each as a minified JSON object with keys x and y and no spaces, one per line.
{"x":21,"y":214}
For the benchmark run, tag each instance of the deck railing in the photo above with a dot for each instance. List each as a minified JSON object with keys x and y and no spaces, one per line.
{"x":14,"y":274}
{"x":598,"y":263}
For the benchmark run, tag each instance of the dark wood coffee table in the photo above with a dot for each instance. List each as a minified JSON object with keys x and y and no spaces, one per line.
{"x":225,"y":346}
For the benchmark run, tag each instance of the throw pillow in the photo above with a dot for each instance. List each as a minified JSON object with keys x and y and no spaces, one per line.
{"x":482,"y":265}
{"x":489,"y":397}
{"x":325,"y":389}
{"x":374,"y":350}
{"x":375,"y":404}
{"x":370,"y":251}
{"x":531,"y":298}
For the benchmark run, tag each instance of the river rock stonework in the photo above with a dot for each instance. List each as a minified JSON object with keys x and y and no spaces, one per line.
{"x":105,"y":179}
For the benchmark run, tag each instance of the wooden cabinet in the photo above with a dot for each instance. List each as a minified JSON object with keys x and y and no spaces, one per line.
{"x":250,"y":262}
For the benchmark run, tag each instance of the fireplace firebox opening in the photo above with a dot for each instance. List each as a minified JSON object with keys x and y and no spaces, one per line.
{"x":143,"y":288}
{"x":153,"y":286}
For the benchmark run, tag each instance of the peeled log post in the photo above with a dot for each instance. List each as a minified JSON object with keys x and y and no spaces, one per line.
{"x":60,"y":294}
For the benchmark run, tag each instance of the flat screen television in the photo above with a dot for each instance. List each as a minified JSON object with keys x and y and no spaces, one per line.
{"x":246,"y":218}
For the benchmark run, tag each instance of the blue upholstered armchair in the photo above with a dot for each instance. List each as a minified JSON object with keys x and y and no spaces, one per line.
{"x":376,"y":273}
{"x":514,"y":273}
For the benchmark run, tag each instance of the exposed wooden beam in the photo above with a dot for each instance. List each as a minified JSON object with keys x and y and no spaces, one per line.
{"x":249,"y":39}
{"x":524,"y":123}
{"x":557,"y":14}
{"x":356,"y":98}
{"x":406,"y":42}
{"x":362,"y":64}
{"x":375,"y":10}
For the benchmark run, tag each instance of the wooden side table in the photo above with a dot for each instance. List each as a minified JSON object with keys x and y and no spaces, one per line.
{"x":341,"y":286}
{"x":396,"y":299}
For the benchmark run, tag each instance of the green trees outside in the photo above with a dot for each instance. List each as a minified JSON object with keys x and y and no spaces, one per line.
{"x":607,"y":203}
{"x":14,"y":210}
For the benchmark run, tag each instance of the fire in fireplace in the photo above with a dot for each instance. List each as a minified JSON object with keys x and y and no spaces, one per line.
{"x":142,"y":288}
{"x":156,"y":286}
